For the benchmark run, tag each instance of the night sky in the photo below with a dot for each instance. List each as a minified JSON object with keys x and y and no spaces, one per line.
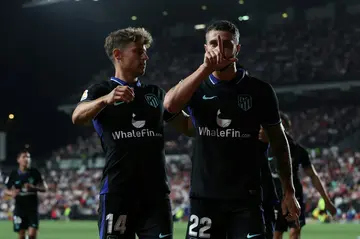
{"x":46,"y":58}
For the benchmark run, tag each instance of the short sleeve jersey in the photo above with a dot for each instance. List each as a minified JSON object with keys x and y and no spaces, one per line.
{"x":132,"y":137}
{"x":17,"y":179}
{"x":227,"y":116}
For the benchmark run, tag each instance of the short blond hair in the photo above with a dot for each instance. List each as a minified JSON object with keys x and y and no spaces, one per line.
{"x":120,"y":38}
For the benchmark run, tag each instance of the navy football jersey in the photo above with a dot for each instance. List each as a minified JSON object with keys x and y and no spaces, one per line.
{"x":17,"y":179}
{"x":227,"y":116}
{"x":299,"y":155}
{"x":132,"y":137}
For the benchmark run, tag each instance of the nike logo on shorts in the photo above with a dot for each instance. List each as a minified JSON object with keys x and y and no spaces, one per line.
{"x":253,"y":235}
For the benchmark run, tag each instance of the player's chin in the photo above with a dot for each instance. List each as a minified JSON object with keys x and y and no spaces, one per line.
{"x":142,"y":71}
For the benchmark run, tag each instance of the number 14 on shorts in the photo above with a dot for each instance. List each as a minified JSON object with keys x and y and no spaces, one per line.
{"x":202,"y":225}
{"x":119,"y":226}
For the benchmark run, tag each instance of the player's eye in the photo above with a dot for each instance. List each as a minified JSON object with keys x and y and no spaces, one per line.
{"x":228,"y":45}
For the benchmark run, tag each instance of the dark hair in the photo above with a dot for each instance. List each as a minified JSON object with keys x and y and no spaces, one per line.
{"x":24,"y":151}
{"x":285,"y":120}
{"x":226,"y":26}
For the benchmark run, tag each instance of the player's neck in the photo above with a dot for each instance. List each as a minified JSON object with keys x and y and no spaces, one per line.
{"x":128,"y":78}
{"x":23,"y":169}
{"x":226,"y":75}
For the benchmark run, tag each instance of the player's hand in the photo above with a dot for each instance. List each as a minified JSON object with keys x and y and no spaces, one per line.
{"x":291,"y":208}
{"x":214,"y":58}
{"x":15,"y":192}
{"x":120,"y":93}
{"x":330,"y":207}
{"x":29,"y":187}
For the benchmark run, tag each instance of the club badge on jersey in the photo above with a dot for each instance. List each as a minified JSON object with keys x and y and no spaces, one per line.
{"x":84,"y":95}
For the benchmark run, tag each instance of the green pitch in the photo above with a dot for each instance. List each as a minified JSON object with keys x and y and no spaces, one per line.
{"x":88,"y":230}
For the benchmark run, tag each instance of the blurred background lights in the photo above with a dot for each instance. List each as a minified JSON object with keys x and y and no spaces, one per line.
{"x":244,"y":18}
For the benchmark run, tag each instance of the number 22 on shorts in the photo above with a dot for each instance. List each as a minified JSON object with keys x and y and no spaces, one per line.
{"x":119,"y":226}
{"x":204,"y":223}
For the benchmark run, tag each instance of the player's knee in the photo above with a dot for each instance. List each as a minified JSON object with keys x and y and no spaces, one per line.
{"x":22,"y":234}
{"x":278,"y":235}
{"x":295,"y":233}
{"x":32,"y":233}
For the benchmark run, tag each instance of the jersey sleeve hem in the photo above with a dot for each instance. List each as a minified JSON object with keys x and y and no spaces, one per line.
{"x":172,"y":117}
{"x":83,"y":101}
{"x":271,"y":124}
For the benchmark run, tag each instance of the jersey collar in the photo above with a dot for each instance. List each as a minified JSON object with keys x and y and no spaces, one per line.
{"x":240,"y":74}
{"x":121,"y":82}
{"x":22,"y":173}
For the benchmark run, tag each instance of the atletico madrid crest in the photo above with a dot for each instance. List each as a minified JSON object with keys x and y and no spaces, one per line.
{"x":152,"y":100}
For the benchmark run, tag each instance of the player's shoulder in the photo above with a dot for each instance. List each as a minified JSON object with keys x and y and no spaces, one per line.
{"x":292,"y":143}
{"x":106,"y":84}
{"x":99,"y":88}
{"x":34,"y":171}
{"x":258,"y":84}
{"x":13,"y":172}
{"x":248,"y":78}
{"x":301,"y":148}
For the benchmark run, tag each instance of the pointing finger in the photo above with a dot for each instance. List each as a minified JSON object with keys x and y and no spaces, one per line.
{"x":220,"y":45}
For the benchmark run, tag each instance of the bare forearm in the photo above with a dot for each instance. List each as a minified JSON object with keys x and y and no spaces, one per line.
{"x":180,"y":95}
{"x":8,"y":192}
{"x":40,"y":189}
{"x":86,"y":111}
{"x":315,"y":180}
{"x":282,"y":153}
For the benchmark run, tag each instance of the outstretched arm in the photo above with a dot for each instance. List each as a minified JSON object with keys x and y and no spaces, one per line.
{"x":316,"y":182}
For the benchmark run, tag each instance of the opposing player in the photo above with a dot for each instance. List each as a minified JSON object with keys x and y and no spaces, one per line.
{"x":23,"y":185}
{"x":299,"y":156}
{"x":128,"y":117}
{"x":227,"y":107}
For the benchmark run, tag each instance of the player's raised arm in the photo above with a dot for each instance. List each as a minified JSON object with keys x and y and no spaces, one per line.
{"x":177,"y":97}
{"x":96,"y":98}
{"x":180,"y":95}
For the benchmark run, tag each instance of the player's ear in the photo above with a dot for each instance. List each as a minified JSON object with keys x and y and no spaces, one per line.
{"x":238,"y":47}
{"x":117,"y":54}
{"x":205,"y":47}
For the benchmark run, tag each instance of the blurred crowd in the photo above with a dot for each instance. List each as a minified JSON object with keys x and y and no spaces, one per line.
{"x":78,"y":189}
{"x":313,"y":52}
